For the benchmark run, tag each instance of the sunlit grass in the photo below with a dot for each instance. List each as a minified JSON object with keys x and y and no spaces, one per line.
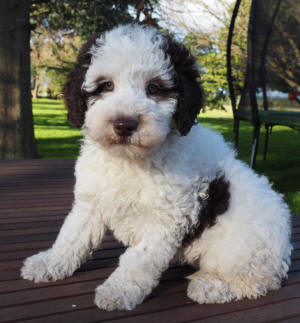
{"x":57,"y":139}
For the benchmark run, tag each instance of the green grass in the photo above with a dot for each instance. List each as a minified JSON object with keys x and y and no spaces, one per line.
{"x":54,"y":135}
{"x":57,"y":139}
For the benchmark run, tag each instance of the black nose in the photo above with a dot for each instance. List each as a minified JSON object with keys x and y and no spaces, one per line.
{"x":125,"y":127}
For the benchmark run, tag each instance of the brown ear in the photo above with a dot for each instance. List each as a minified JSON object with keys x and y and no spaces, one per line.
{"x":75,"y":97}
{"x":190,"y":98}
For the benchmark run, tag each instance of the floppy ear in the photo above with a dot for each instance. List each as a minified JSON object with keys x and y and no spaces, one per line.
{"x":190,"y":98}
{"x":75,"y":97}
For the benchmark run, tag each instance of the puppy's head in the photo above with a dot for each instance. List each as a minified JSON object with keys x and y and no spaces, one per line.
{"x":131,"y":87}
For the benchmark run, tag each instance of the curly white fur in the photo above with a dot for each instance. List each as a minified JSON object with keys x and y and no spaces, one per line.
{"x":147,"y":191}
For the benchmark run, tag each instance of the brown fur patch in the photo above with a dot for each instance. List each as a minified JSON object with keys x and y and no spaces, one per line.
{"x":187,"y":83}
{"x":216,"y":204}
{"x":75,"y":97}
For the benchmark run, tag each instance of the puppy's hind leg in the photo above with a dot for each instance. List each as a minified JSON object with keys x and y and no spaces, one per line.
{"x":263,"y":272}
{"x":208,"y":288}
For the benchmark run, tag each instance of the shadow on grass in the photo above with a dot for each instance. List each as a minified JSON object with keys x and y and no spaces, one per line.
{"x":52,"y":120}
{"x":59,"y":147}
{"x":53,"y":104}
{"x":45,"y":102}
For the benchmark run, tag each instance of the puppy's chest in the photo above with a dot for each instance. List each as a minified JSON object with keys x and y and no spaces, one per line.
{"x":133,"y":202}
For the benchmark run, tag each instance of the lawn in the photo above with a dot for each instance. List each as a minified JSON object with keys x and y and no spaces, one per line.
{"x":57,"y":139}
{"x":54,"y":135}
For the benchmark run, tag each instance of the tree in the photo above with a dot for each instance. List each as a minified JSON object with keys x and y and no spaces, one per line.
{"x":80,"y":18}
{"x":62,"y":26}
{"x":52,"y":56}
{"x":209,"y":47}
{"x":212,"y":64}
{"x":16,"y":122}
{"x":87,"y":17}
{"x":283,"y":52}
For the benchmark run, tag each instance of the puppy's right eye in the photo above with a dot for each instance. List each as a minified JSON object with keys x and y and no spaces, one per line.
{"x":102,"y":87}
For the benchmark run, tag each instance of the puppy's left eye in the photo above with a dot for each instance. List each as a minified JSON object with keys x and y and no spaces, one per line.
{"x":152,"y":89}
{"x":107,"y":86}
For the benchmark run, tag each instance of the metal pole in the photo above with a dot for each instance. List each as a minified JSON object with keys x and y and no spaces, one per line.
{"x":229,"y":72}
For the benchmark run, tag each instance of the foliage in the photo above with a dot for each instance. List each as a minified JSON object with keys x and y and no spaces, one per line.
{"x":283,"y":55}
{"x":87,"y":17}
{"x":52,"y":56}
{"x":60,"y":27}
{"x":239,"y":44}
{"x":210,"y":51}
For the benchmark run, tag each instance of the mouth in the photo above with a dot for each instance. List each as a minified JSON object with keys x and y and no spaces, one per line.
{"x":123,"y":141}
{"x":128,"y":143}
{"x":119,"y":141}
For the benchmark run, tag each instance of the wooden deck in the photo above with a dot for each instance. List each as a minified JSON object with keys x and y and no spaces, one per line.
{"x":35,"y":196}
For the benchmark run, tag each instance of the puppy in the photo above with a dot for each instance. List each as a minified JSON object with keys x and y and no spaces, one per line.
{"x":165,"y":186}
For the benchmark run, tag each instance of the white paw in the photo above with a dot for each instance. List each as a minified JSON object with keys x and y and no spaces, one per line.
{"x":205,"y":289}
{"x":111,"y":297}
{"x":38,"y":269}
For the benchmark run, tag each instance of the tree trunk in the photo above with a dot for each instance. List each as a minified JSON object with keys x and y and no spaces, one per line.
{"x":16,"y":121}
{"x":36,"y":87}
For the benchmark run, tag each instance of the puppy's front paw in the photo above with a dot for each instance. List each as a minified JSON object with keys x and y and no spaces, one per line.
{"x":38,"y":269}
{"x":111,"y":297}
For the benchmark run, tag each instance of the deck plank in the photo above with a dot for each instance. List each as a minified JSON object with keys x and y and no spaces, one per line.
{"x":35,"y":197}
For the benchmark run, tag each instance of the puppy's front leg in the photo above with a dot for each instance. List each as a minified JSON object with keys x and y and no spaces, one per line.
{"x":139,"y":271}
{"x":81,"y":233}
